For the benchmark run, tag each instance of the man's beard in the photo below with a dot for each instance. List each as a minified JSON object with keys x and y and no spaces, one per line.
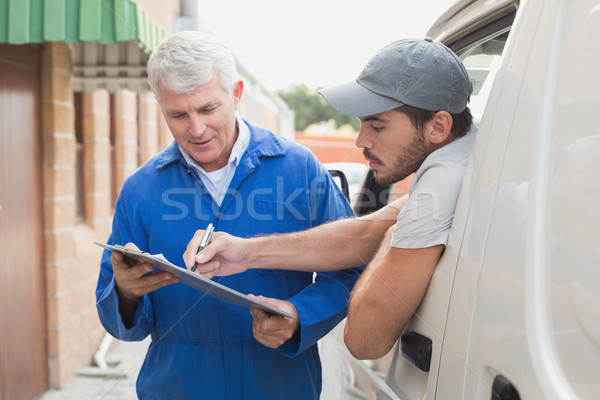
{"x":406,"y":163}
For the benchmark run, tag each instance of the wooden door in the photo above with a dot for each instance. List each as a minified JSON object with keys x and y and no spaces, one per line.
{"x":23,"y":348}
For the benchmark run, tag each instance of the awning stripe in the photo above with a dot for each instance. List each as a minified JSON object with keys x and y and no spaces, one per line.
{"x":72,"y":12}
{"x":72,"y":21}
{"x":107,"y":29}
{"x":19,"y":15}
{"x":37,"y":18}
{"x":3,"y":20}
{"x":54,"y":28}
{"x":125,"y":14}
{"x":90,"y":20}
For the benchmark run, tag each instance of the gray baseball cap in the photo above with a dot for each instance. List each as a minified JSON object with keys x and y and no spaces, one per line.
{"x":421,"y":73}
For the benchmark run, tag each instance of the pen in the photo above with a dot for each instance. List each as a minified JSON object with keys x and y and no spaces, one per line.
{"x":204,"y":242}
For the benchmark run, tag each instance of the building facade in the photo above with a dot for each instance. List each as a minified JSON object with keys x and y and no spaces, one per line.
{"x":76,"y":117}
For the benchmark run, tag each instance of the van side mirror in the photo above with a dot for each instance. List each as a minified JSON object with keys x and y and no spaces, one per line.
{"x":340,"y":179}
{"x":503,"y":389}
{"x":372,"y":195}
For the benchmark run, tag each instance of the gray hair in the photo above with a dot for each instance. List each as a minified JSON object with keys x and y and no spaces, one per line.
{"x":187,"y":60}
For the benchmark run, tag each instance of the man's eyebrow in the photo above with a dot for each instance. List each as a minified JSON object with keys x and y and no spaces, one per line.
{"x":205,"y":106}
{"x":373,"y":118}
{"x":209,"y":105}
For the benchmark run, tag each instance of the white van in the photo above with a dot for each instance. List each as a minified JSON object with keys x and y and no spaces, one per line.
{"x":513,"y":309}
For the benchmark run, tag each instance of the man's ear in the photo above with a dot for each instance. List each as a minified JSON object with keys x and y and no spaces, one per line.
{"x":440,"y":127}
{"x":237,"y":93}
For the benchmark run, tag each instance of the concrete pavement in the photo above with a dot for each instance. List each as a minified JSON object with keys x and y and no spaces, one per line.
{"x":115,"y":383}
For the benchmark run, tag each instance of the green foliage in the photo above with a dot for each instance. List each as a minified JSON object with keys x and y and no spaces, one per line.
{"x":309,"y":107}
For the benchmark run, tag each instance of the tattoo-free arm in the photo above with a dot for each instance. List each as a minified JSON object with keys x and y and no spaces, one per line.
{"x":333,"y":246}
{"x":386,"y":296}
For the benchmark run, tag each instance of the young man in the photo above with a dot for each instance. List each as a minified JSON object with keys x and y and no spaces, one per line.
{"x":411,"y":99}
{"x":246,"y":181}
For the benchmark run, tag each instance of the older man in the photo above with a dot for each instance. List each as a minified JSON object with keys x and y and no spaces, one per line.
{"x":246,"y":181}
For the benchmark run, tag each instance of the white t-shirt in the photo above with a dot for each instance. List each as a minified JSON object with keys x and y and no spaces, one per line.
{"x":426,"y":218}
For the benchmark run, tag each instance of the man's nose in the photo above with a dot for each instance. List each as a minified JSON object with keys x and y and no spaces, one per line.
{"x":363,"y":139}
{"x":197,"y":125}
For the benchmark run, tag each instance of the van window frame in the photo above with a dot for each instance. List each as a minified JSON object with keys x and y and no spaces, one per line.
{"x":493,"y":24}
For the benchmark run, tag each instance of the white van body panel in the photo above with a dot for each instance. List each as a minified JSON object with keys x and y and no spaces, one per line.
{"x":523,"y":313}
{"x":517,"y":291}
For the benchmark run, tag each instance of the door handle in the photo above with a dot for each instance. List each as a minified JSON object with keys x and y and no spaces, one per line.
{"x":417,"y":349}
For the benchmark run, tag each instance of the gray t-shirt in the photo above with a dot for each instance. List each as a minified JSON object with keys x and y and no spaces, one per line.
{"x":426,"y":218}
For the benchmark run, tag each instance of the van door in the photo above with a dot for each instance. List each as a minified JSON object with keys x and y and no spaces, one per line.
{"x":418,"y":356}
{"x":525,"y":306}
{"x":477,"y":32}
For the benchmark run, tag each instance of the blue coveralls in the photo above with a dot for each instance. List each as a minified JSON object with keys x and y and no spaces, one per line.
{"x":203,"y":348}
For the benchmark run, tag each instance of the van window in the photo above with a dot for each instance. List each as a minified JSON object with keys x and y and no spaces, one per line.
{"x":482,"y":60}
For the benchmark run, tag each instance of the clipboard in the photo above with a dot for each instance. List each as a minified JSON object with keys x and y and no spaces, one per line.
{"x":196,"y":281}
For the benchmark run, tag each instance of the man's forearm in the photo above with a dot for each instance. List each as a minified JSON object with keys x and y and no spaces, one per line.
{"x":386,"y":296}
{"x":336,"y":245}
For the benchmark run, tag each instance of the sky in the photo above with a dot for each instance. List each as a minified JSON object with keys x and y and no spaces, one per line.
{"x":315,"y":42}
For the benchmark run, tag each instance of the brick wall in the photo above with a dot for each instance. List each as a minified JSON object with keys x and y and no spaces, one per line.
{"x":148,"y":124}
{"x":97,"y":161}
{"x":119,"y":132}
{"x":125,"y":137}
{"x":332,"y":148}
{"x":73,"y":330}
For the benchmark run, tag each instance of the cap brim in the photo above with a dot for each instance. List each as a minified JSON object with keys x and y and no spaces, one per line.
{"x":354,"y":99}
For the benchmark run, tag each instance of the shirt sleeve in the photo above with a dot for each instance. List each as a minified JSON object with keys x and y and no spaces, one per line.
{"x":322,"y":305}
{"x":426,"y":218}
{"x":107,"y":300}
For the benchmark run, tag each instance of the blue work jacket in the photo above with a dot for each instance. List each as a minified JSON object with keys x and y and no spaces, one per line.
{"x":203,"y":348}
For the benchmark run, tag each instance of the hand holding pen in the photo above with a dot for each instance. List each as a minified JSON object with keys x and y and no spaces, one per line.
{"x":226,"y":255}
{"x":204,"y":242}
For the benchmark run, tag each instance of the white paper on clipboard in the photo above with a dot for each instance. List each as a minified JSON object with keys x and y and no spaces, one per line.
{"x":196,"y":281}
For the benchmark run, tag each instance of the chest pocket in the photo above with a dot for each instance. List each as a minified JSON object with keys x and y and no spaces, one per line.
{"x":281,"y":216}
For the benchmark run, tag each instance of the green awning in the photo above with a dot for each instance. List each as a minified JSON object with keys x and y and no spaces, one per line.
{"x":72,"y":21}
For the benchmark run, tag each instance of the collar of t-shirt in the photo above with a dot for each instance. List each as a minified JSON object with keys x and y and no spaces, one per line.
{"x":217,"y":182}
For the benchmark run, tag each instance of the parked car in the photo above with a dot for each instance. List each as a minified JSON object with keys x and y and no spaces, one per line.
{"x":513,"y":308}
